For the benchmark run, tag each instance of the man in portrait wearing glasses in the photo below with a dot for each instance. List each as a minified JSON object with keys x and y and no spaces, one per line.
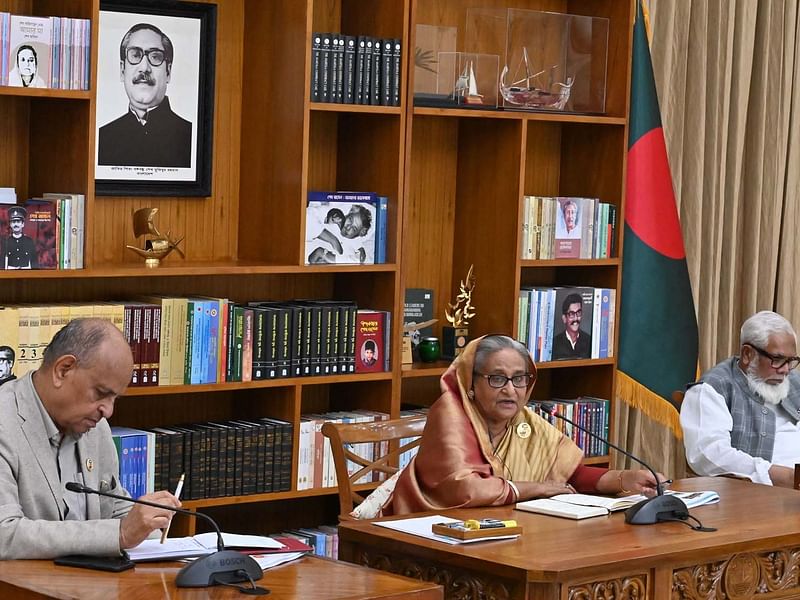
{"x":742,"y":417}
{"x":573,"y":342}
{"x":149,"y":134}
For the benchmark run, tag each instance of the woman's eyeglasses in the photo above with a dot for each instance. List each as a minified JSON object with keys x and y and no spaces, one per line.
{"x":497,"y":381}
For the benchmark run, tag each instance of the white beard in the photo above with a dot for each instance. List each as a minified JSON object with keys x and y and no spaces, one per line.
{"x":771,"y":394}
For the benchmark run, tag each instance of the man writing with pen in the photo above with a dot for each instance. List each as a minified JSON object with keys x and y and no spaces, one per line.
{"x":53,"y":431}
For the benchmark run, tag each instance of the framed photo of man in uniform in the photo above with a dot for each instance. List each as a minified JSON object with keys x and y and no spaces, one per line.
{"x":155,"y":98}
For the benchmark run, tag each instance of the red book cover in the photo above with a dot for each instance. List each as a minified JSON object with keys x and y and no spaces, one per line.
{"x":28,"y":235}
{"x":370,"y":336}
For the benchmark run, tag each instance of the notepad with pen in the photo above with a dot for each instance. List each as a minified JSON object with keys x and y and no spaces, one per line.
{"x":474,"y":529}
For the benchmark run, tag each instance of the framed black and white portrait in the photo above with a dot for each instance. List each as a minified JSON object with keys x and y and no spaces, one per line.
{"x":155,"y":98}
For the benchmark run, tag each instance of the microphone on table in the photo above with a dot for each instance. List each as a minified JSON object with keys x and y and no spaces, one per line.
{"x":220,"y":567}
{"x":651,"y":510}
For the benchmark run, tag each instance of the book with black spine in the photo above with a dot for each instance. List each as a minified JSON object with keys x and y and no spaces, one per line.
{"x":349,"y":69}
{"x":358,"y":81}
{"x":375,"y":76}
{"x":386,"y":72}
{"x":396,"y":71}
{"x":326,"y":49}
{"x":316,"y":51}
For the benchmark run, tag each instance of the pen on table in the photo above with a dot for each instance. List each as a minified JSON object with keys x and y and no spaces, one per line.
{"x":178,"y":489}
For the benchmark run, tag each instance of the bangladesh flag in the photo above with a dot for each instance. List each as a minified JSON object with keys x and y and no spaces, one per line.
{"x":658,"y":326}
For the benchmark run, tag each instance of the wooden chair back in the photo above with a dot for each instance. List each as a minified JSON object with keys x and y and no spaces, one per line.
{"x":343,"y":435}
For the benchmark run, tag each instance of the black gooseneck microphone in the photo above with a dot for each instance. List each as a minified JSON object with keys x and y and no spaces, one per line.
{"x":649,"y":511}
{"x":221,"y":567}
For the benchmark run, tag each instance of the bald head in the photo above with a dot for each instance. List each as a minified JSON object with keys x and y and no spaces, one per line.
{"x":86,"y":366}
{"x":83,"y":339}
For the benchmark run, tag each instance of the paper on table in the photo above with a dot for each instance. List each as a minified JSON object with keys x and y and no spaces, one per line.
{"x":237,"y":540}
{"x":267,"y":561}
{"x":421,"y":526}
{"x":171,"y":549}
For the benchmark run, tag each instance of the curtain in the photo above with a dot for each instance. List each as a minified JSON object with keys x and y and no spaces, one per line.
{"x":727,"y":73}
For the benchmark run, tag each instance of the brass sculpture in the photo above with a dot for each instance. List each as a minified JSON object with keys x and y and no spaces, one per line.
{"x":157,"y":246}
{"x":461,"y":311}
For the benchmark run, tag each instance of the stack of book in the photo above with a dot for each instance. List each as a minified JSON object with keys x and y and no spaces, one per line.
{"x":587,"y":412}
{"x":315,"y":468}
{"x":567,"y":227}
{"x":52,"y":234}
{"x":546,"y":313}
{"x":347,"y":69}
{"x":45,"y":52}
{"x":226,"y":458}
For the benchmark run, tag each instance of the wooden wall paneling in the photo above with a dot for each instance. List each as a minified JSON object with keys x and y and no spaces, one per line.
{"x":273,"y":154}
{"x":429,"y":209}
{"x":59,"y":146}
{"x":81,"y":9}
{"x":554,"y":380}
{"x":592,"y":159}
{"x":419,"y":391}
{"x":378,"y":18}
{"x":370,"y":395}
{"x":263,"y":518}
{"x":151,"y":411}
{"x":486,"y":226}
{"x":590,"y":274}
{"x":369,"y":153}
{"x":373,"y":290}
{"x":542,"y":170}
{"x":14,"y":142}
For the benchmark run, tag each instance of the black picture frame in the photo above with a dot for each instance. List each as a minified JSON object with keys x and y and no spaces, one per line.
{"x":191,"y":28}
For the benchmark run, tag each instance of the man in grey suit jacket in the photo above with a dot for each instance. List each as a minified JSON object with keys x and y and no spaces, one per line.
{"x":53,"y":430}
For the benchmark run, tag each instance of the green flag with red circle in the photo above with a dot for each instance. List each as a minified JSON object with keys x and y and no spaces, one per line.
{"x":657,"y":324}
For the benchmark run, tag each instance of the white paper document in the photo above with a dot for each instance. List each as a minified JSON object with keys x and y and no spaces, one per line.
{"x":421,"y":526}
{"x":268,"y":561}
{"x":199,"y":545}
{"x":237,"y":540}
{"x":171,"y":549}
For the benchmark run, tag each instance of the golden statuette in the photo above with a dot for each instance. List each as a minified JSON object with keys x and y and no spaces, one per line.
{"x":156,"y":245}
{"x":460,"y":312}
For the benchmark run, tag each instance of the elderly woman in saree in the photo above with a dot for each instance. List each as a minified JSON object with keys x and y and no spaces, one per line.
{"x":483,"y":447}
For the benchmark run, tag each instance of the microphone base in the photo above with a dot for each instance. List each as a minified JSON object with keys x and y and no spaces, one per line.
{"x":655,"y":510}
{"x":225,"y":566}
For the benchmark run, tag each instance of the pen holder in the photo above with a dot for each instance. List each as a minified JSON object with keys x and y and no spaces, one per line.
{"x":462,"y":533}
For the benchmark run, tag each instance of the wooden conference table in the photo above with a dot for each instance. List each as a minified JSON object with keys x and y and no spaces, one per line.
{"x":755,"y":552}
{"x":310,"y":578}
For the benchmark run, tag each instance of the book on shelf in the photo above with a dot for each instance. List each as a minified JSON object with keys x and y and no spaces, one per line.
{"x":29,"y":48}
{"x":372,"y":331}
{"x":418,"y":308}
{"x":340,"y":228}
{"x":584,"y":506}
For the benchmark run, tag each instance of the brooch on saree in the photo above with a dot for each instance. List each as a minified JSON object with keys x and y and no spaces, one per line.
{"x":523,"y":430}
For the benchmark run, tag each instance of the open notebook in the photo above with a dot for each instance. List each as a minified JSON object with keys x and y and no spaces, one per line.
{"x":583,"y":506}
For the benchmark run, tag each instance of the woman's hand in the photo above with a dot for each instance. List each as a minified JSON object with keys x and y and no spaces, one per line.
{"x":629,"y":482}
{"x":528,"y":490}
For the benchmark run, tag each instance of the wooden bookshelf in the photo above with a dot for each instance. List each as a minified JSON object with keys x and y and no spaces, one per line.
{"x":467,"y":173}
{"x":454,"y":180}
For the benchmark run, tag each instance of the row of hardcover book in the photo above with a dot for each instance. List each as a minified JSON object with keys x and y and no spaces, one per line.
{"x":45,"y":52}
{"x":346,"y":228}
{"x":184,"y":341}
{"x":323,"y":539}
{"x":225,"y":458}
{"x":51,"y":234}
{"x":348,"y":69}
{"x":567,"y":227}
{"x":585,"y":411}
{"x":315,"y":467}
{"x":567,"y":323}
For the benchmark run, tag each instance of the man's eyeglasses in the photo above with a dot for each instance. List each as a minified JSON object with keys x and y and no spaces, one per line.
{"x":574,"y":314}
{"x":498,"y":381}
{"x":155,"y":56}
{"x":777,"y":362}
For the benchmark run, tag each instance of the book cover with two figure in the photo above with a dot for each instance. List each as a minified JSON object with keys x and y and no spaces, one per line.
{"x":340,"y":228}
